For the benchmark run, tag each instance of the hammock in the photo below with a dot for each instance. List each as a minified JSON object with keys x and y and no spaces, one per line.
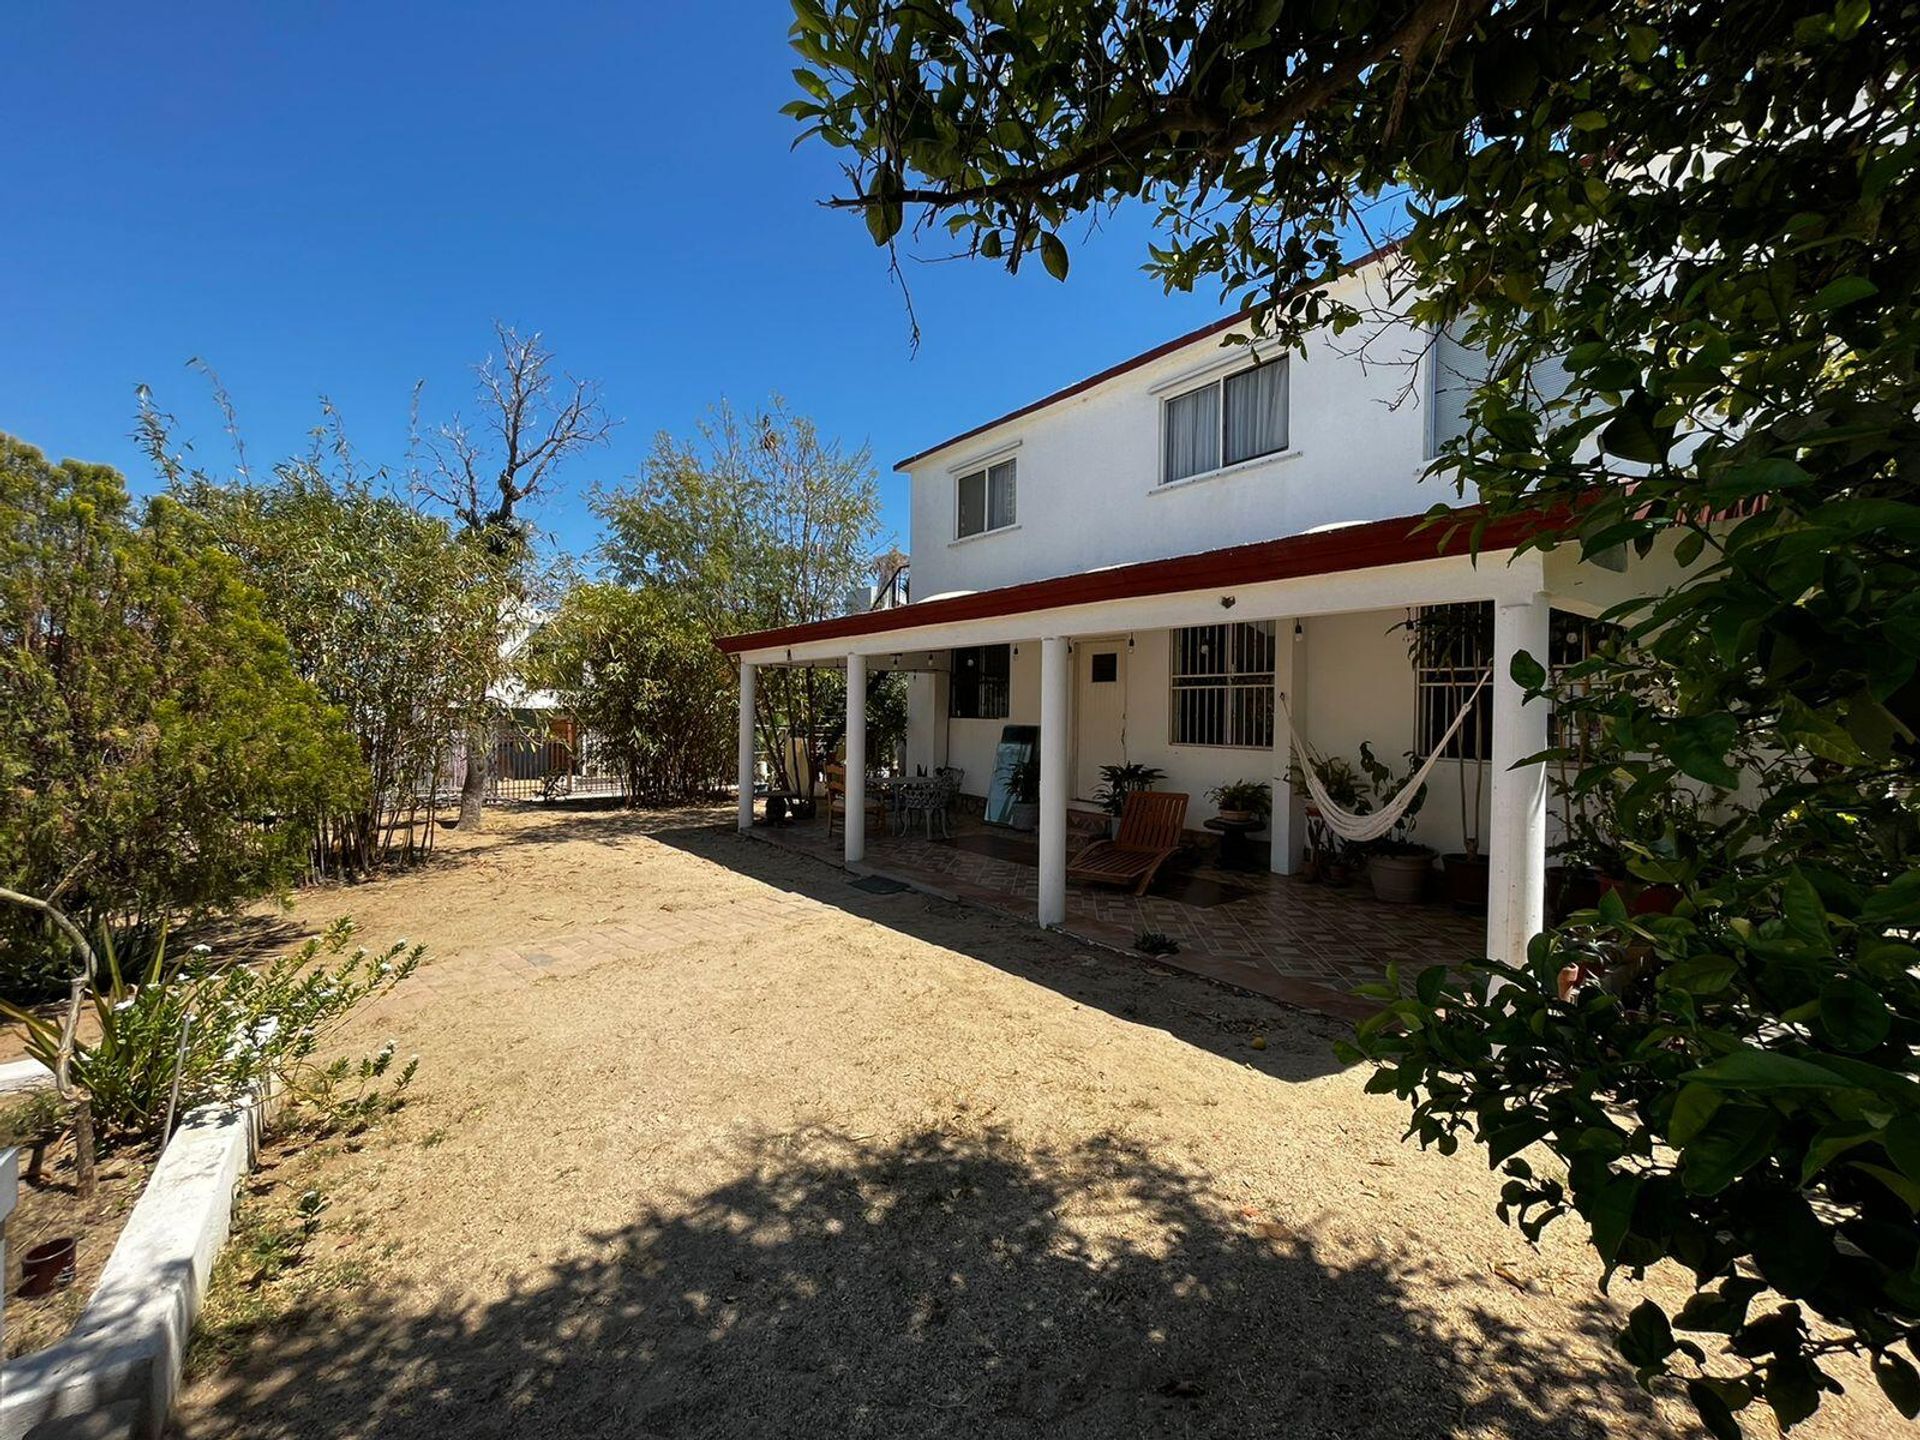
{"x":1347,"y":824}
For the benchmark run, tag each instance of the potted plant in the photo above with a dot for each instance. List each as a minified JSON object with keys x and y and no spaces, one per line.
{"x":1329,"y":858}
{"x":1024,"y":813}
{"x":1120,"y":781}
{"x":1454,"y":638}
{"x":1242,"y":800}
{"x":1397,"y":865}
{"x":1596,"y":860}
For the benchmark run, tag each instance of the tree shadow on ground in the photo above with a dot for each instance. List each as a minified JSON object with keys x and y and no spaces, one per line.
{"x":946,"y":1285}
{"x":1200,"y":1012}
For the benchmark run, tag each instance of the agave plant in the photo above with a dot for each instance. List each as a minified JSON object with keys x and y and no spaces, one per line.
{"x":187,"y":1031}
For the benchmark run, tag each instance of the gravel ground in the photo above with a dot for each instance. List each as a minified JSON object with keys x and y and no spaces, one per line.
{"x":809,"y":1161}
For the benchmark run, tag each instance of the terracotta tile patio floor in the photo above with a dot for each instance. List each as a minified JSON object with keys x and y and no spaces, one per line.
{"x":1285,"y":938}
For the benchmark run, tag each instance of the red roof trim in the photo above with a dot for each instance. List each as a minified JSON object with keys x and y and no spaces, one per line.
{"x":1145,"y":357}
{"x":1327,"y":552}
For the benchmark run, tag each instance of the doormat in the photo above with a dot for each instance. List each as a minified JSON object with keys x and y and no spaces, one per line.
{"x":878,"y":885}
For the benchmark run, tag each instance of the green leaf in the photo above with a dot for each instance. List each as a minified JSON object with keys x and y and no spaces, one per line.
{"x":1852,"y":1015}
{"x":1692,"y":1108}
{"x":1831,"y":1141}
{"x":1706,"y":974}
{"x":1698,"y":744}
{"x":1527,"y":672}
{"x":884,"y":218}
{"x":1609,"y":1210}
{"x":1804,"y":912}
{"x":1791,"y":1248}
{"x":1748,"y":1068}
{"x":1732,"y":1142}
{"x":1631,"y":436}
{"x":1847,"y":290}
{"x":1897,"y":903}
{"x":1053,"y":255}
{"x":1902,"y":1143}
{"x":1907,"y":1190}
{"x":1505,"y":1140}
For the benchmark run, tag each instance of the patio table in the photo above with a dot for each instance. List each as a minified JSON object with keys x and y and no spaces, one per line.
{"x":1235,"y":852}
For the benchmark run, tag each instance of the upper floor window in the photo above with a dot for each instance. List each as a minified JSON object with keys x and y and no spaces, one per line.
{"x":1223,"y":685}
{"x":978,"y":687}
{"x":986,"y":499}
{"x":1225,"y":422}
{"x":1456,"y":370}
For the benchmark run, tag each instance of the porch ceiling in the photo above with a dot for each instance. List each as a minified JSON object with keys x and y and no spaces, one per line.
{"x":1410,"y":540}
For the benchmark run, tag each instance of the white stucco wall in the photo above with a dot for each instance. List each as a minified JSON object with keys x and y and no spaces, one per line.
{"x":1089,"y":467}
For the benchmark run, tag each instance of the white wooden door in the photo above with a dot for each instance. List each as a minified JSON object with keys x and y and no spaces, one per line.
{"x":1099,"y":710}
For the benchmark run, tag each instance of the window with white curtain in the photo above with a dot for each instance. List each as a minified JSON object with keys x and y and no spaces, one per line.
{"x":987,"y":499}
{"x":1222,"y":683}
{"x":1225,"y":422}
{"x":1457,"y":370}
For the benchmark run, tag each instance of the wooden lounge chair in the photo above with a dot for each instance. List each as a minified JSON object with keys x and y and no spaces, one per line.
{"x":1150,"y":829}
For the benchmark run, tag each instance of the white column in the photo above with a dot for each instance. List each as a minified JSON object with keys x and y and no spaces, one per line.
{"x":746,"y":744}
{"x":855,"y":832}
{"x":1053,"y":781}
{"x":1517,"y":858}
{"x":1287,"y":827}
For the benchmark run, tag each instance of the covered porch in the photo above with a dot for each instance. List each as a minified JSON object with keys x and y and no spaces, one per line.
{"x":1274,"y":935}
{"x":1315,"y":936}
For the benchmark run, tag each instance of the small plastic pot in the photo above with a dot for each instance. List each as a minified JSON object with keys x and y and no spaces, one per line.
{"x":48,"y":1266}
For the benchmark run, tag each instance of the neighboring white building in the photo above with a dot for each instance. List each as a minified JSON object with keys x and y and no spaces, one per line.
{"x":1144,"y":563}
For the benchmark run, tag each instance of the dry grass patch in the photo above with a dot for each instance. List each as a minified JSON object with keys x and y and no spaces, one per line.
{"x":751,"y":1153}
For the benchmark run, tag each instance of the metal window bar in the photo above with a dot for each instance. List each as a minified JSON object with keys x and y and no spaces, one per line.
{"x":1222,"y":685}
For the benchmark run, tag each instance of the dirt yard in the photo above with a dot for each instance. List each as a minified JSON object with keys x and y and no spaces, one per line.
{"x":706,"y":1142}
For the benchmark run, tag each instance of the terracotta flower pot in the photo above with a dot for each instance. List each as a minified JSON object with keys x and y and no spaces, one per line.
{"x":1466,"y":881}
{"x":1400,"y":879}
{"x":48,"y":1266}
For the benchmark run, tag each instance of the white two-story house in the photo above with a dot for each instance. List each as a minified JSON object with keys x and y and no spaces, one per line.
{"x":1160,"y":562}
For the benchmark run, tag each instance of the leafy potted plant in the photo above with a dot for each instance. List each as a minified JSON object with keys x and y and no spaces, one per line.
{"x":1453,"y":638}
{"x":1596,"y":858}
{"x":1242,"y":800}
{"x":1120,"y":781}
{"x":1024,"y":813}
{"x":1329,"y":858}
{"x":1397,"y":865}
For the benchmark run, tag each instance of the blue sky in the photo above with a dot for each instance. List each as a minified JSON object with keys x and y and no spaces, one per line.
{"x":341,"y":199}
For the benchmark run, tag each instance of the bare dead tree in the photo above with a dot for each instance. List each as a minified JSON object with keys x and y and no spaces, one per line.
{"x":534,"y":418}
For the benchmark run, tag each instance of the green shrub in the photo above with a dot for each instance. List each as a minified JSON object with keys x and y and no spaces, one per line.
{"x":643,"y":678}
{"x":242,"y":1027}
{"x":159,"y":755}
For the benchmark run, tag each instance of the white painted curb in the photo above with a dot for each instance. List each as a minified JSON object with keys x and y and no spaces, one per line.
{"x":117,"y":1371}
{"x":20,"y":1076}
